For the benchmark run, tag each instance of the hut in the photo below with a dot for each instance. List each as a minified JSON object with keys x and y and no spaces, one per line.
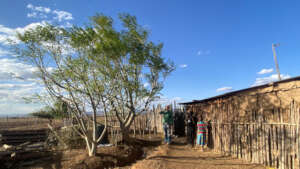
{"x":259,"y":124}
{"x":268,"y":103}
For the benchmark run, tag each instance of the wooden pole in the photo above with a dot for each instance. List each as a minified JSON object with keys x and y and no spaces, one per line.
{"x":275,"y":59}
{"x":155,"y":121}
{"x":134,"y":127}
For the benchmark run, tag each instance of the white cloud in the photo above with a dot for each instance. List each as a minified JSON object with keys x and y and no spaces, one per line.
{"x":17,"y":80}
{"x":38,"y":11}
{"x":265,"y":71}
{"x":11,"y":69}
{"x":42,"y":9}
{"x":269,"y":79}
{"x":32,"y":15}
{"x":4,"y":38}
{"x":10,"y":33}
{"x":44,"y":12}
{"x":13,"y":86}
{"x":14,"y":93}
{"x":203,"y":52}
{"x":30,"y":26}
{"x":183,"y":66}
{"x":146,"y":84}
{"x":224,"y":89}
{"x":4,"y":52}
{"x":30,"y":6}
{"x":62,"y":15}
{"x":7,"y":33}
{"x":67,"y":25}
{"x":36,"y":15}
{"x":6,"y":30}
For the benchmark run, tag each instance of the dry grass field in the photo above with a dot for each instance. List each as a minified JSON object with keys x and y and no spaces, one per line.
{"x":26,"y":123}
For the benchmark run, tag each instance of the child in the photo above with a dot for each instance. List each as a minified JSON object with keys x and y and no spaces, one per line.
{"x":201,"y":132}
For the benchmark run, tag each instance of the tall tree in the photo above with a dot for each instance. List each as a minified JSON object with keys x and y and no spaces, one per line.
{"x":69,"y":75}
{"x":98,"y":68}
{"x":130,"y":65}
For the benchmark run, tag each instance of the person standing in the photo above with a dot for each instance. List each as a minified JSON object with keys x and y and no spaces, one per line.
{"x":191,"y":128}
{"x":201,"y":132}
{"x":167,"y":121}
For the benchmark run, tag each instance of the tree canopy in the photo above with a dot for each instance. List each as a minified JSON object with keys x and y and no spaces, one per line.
{"x":98,"y":68}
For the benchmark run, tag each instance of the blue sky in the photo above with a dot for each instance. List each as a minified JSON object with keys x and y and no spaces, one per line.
{"x":217,"y":45}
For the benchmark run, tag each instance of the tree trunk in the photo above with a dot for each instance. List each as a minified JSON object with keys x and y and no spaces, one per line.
{"x":125,"y":126}
{"x":125,"y":134}
{"x":134,"y":129}
{"x":91,"y":146}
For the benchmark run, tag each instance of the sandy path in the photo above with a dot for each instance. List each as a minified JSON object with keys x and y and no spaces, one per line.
{"x":180,"y":156}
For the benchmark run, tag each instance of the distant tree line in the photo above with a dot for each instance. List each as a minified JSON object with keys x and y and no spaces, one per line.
{"x":58,"y":110}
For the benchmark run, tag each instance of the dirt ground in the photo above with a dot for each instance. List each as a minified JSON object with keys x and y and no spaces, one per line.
{"x":181,"y":156}
{"x":106,"y":157}
{"x":150,"y":155}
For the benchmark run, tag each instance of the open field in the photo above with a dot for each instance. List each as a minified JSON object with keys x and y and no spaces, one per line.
{"x":26,"y":123}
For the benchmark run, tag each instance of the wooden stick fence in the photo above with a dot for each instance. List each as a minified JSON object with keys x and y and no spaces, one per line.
{"x":147,"y":123}
{"x":272,"y":144}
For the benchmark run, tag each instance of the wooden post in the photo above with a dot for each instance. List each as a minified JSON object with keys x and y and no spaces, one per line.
{"x":234,"y":142}
{"x":271,"y":148}
{"x":298,"y":142}
{"x":275,"y":59}
{"x":250,"y":143}
{"x":262,"y":141}
{"x":256,"y":143}
{"x":267,"y":144}
{"x":282,"y":141}
{"x":297,"y":136}
{"x":238,"y":141}
{"x":296,"y":146}
{"x":134,"y":127}
{"x":155,"y":121}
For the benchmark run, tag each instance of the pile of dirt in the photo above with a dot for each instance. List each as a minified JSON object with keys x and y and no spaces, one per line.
{"x":115,"y":156}
{"x":109,"y":157}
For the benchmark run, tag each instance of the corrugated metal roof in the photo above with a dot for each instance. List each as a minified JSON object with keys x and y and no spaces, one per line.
{"x":239,"y":91}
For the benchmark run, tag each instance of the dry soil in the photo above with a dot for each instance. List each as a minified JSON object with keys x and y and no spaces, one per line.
{"x":181,"y":156}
